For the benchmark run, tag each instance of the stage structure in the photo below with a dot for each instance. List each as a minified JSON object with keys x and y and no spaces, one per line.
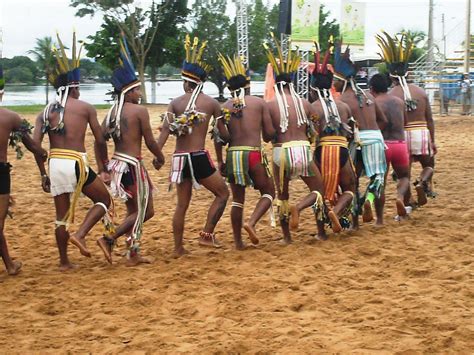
{"x":243,"y":31}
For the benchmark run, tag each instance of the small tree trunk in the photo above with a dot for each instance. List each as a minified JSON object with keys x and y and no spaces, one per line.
{"x":47,"y":91}
{"x":153,"y":84}
{"x":141,"y":76}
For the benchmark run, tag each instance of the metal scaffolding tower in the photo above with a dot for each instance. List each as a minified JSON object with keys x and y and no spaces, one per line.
{"x":302,"y":84}
{"x":242,"y":32}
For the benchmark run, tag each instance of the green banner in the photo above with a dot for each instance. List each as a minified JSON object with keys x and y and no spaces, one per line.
{"x":353,"y":22}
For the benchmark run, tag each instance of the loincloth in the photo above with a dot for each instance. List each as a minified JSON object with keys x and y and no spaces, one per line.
{"x":373,"y":152}
{"x":418,"y":138}
{"x":240,"y":160}
{"x":397,"y":153}
{"x":5,"y":179}
{"x":191,"y":165}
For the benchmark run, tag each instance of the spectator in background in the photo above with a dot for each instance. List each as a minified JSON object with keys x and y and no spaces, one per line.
{"x":466,"y":94}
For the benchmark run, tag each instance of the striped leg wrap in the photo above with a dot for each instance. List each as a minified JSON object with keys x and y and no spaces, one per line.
{"x":237,"y":205}
{"x":318,"y":206}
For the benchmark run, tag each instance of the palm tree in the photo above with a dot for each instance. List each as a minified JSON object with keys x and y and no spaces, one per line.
{"x":43,"y":53}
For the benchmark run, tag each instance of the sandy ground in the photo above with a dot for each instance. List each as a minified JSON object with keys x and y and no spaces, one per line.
{"x":405,"y":288}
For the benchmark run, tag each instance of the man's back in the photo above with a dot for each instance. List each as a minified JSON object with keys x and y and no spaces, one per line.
{"x":394,"y":110}
{"x":344,"y":114}
{"x":293,"y":132}
{"x":7,"y":118}
{"x":417,"y":94}
{"x":247,"y":130}
{"x":366,"y":116}
{"x":130,"y":141}
{"x":204,"y":104}
{"x":76,"y":118}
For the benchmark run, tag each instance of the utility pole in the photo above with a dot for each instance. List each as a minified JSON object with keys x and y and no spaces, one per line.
{"x":243,"y":32}
{"x":430,"y":33}
{"x":467,"y":41}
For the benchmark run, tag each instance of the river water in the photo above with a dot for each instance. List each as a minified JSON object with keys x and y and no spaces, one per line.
{"x":97,"y":93}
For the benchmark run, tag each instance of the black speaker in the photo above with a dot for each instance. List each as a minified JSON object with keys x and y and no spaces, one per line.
{"x":284,"y":21}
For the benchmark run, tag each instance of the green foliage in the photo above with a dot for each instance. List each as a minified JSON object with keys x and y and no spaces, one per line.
{"x":210,"y":23}
{"x":326,"y":28}
{"x":94,"y":71}
{"x":21,"y":70}
{"x":103,"y":45}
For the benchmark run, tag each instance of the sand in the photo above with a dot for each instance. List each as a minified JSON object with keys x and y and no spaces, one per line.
{"x":404,"y":288}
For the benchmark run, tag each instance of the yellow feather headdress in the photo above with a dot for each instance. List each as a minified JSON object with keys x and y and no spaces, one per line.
{"x":234,"y":71}
{"x":395,"y":51}
{"x":194,"y":68}
{"x":67,"y":70}
{"x":282,"y":66}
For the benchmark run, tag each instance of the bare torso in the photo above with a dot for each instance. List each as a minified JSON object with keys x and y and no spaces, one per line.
{"x":7,"y":125}
{"x":366,"y":115}
{"x":247,"y":130}
{"x":130,"y":141}
{"x":342,"y":108}
{"x":204,"y":104}
{"x":76,"y":119}
{"x":394,"y":110}
{"x":293,"y":133}
{"x":417,"y":94}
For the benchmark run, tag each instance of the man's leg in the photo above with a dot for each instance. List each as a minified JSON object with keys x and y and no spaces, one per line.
{"x":427,"y":163}
{"x":315,"y":184}
{"x":61,"y":203}
{"x":283,"y":197}
{"x":13,"y":267}
{"x":217,"y":186}
{"x":184,"y":192}
{"x":347,"y":181}
{"x":98,"y":193}
{"x":403,"y":188}
{"x":236,"y":214}
{"x":264,"y":184}
{"x":359,"y":166}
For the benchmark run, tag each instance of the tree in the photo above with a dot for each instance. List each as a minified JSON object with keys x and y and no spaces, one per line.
{"x":94,"y":71}
{"x":21,"y":69}
{"x":418,"y":38}
{"x":44,"y":56}
{"x":326,"y":28}
{"x":137,"y":23}
{"x":210,"y":23}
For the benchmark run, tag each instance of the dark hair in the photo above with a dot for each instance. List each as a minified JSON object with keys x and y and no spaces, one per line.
{"x":286,"y":77}
{"x":379,"y":83}
{"x":237,"y":82}
{"x":191,"y":84}
{"x":61,"y":80}
{"x":322,"y":81}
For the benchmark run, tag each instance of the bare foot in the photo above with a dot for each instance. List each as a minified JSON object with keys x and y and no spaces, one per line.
{"x":180,"y":252}
{"x":286,"y":241}
{"x":106,"y":245}
{"x":367,"y":215}
{"x":321,"y":237}
{"x":209,"y":241}
{"x":137,"y":260}
{"x":294,"y":218}
{"x":401,"y":211}
{"x":80,"y":243}
{"x":67,"y":267}
{"x":420,"y":192}
{"x":15,"y":268}
{"x":252,"y":233}
{"x":335,"y":224}
{"x":240,"y":246}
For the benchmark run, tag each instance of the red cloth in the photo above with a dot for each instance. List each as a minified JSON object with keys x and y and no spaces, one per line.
{"x":397,"y":153}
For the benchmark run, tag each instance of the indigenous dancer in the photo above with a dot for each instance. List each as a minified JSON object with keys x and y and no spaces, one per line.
{"x":332,"y":153}
{"x":65,"y":121}
{"x":247,"y":118}
{"x":127,"y":122}
{"x":394,"y":136}
{"x":420,"y":128}
{"x":292,"y":117}
{"x":188,"y":119}
{"x":12,"y":130}
{"x":368,"y":148}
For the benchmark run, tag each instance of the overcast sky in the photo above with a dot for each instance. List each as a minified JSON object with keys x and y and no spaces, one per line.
{"x":23,"y":21}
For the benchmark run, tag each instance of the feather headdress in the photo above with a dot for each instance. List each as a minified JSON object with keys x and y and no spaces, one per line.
{"x":285,"y":69}
{"x":123,"y":80}
{"x":396,"y":53}
{"x":321,"y":77}
{"x":194,"y":68}
{"x":237,"y":81}
{"x":66,"y":75}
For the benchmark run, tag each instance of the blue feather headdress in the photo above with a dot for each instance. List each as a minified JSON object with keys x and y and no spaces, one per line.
{"x":123,"y":80}
{"x":343,"y":66}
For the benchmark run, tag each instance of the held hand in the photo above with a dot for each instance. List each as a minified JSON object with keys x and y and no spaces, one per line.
{"x":158,"y":163}
{"x":46,"y":183}
{"x":44,"y":154}
{"x":105,"y":177}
